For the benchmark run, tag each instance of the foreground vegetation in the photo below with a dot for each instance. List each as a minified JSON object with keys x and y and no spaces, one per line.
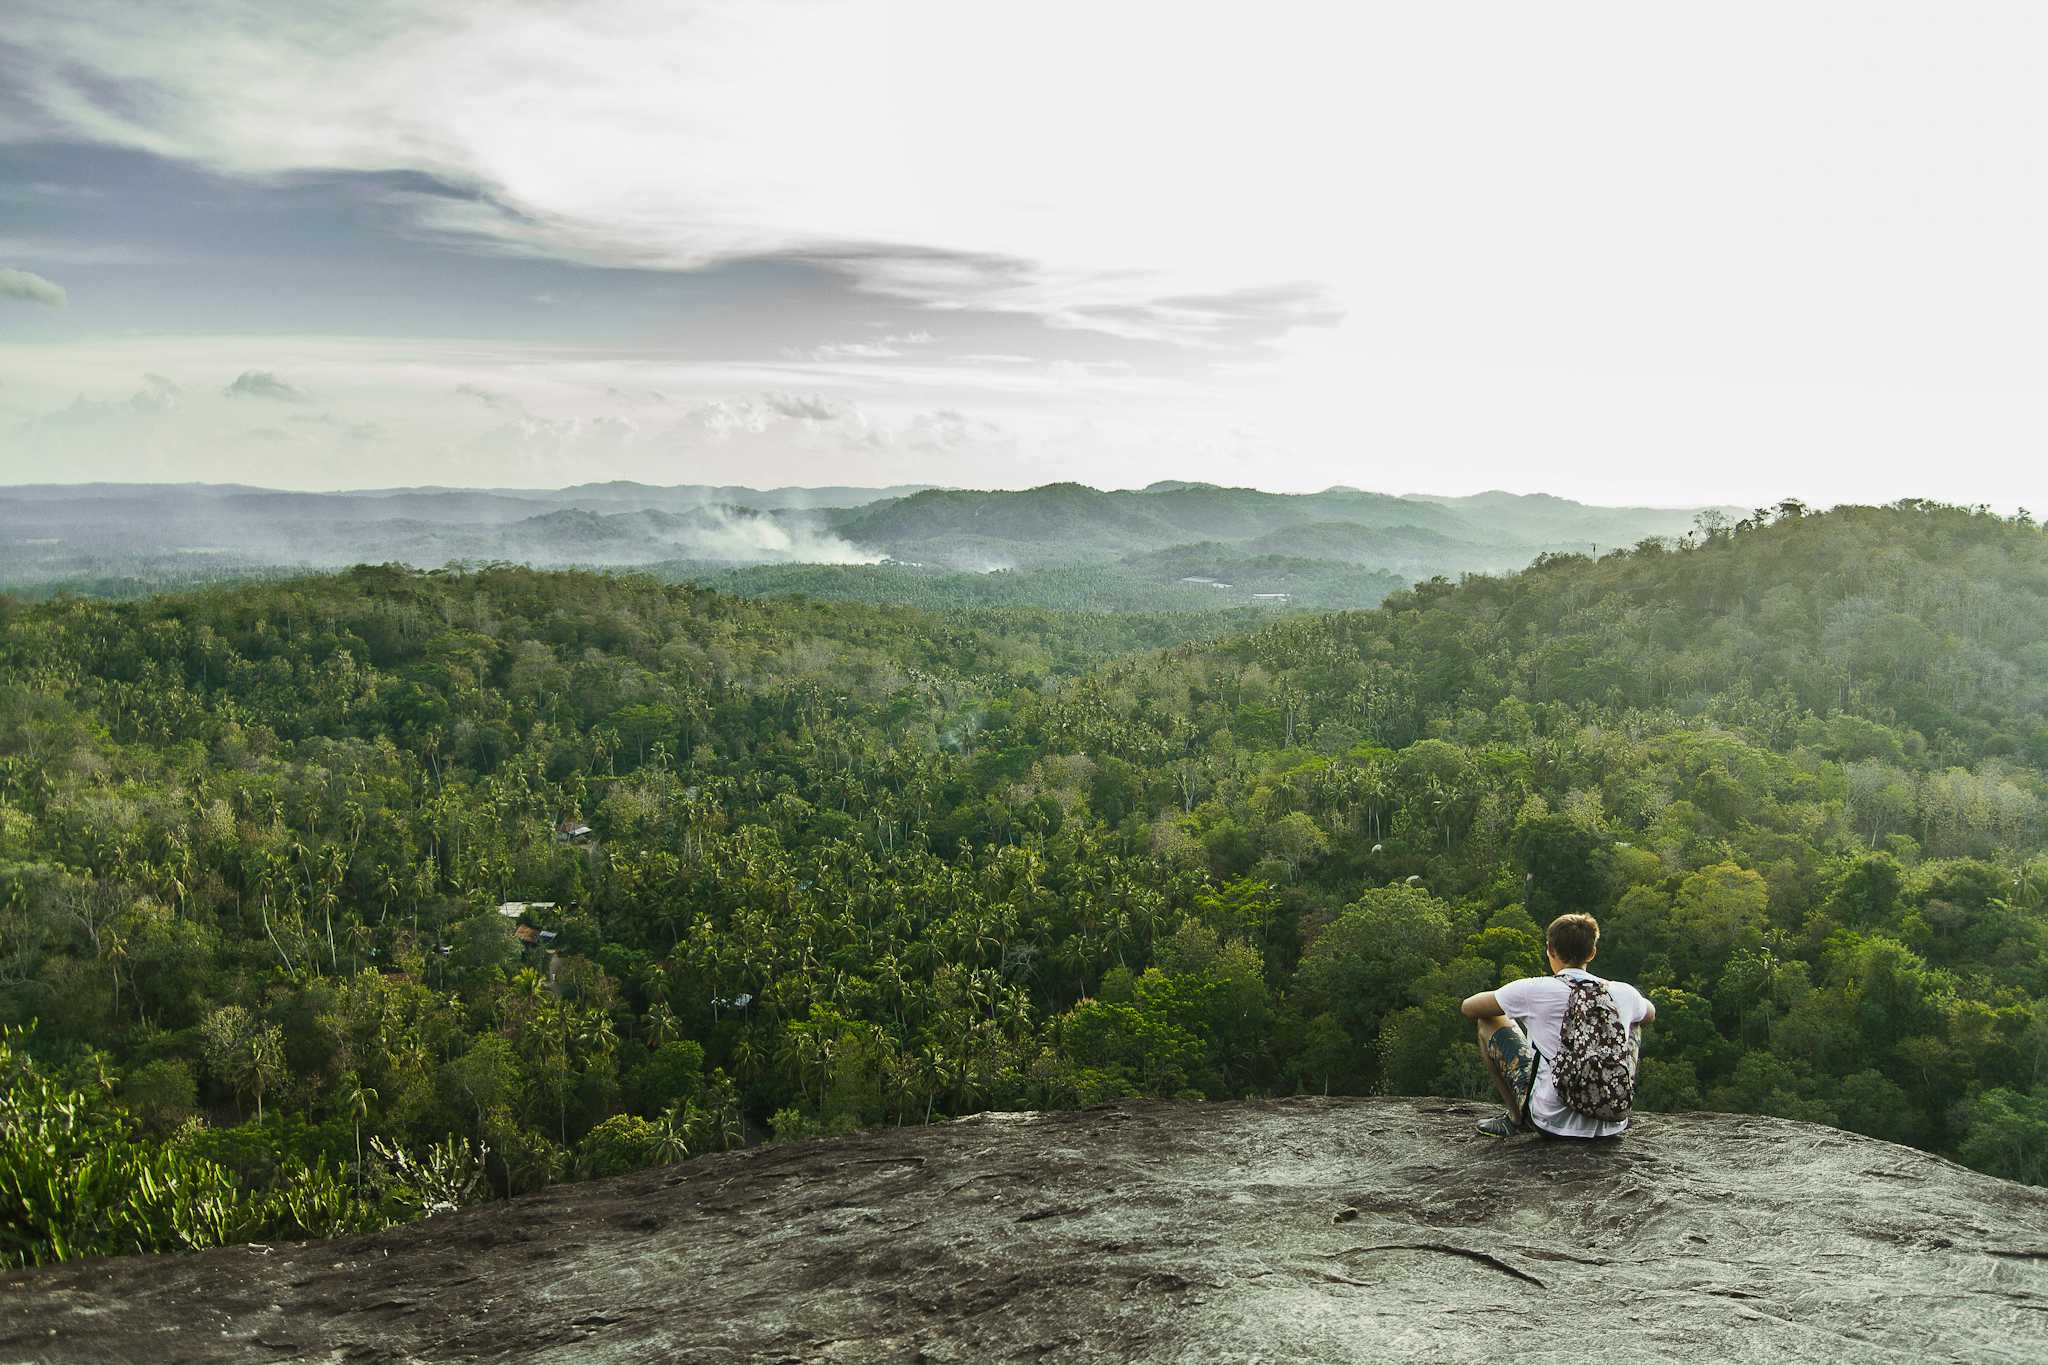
{"x":852,"y":865}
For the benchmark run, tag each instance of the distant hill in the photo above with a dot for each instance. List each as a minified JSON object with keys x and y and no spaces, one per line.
{"x":1411,"y":551}
{"x":1554,"y":522}
{"x":623,"y":492}
{"x":1059,"y":521}
{"x":1071,"y":522}
{"x":630,"y":494}
{"x":1346,"y":547}
{"x":438,"y":506}
{"x":174,"y":534}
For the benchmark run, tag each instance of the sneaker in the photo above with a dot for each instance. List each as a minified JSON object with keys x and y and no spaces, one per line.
{"x":1501,"y":1125}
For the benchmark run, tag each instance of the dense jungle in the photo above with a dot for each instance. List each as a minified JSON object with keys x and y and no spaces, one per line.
{"x":332,"y":901}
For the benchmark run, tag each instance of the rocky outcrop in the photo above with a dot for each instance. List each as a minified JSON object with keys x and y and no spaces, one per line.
{"x":1291,"y":1230}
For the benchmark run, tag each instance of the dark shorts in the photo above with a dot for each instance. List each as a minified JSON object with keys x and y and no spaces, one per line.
{"x":1511,"y":1048}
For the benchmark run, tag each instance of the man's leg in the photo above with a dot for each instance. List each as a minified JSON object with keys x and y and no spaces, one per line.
{"x":1510,"y":1060}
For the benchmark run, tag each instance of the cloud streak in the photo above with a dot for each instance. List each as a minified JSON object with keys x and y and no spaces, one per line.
{"x":856,"y":350}
{"x":29,"y":287}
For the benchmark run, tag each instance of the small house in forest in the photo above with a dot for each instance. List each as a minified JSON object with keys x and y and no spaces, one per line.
{"x":514,"y":909}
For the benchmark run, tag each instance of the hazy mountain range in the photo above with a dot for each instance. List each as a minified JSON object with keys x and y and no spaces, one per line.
{"x":1201,"y":543}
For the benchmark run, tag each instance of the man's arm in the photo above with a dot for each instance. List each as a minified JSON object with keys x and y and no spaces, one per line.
{"x":1485,"y":1005}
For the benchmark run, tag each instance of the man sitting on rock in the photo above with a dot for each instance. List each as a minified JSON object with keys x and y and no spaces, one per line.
{"x":1568,"y":1069}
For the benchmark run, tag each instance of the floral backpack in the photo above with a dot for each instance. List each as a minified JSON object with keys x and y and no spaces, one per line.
{"x":1595,"y":1068}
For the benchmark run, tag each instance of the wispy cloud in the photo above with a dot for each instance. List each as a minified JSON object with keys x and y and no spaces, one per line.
{"x":491,"y":398}
{"x":856,"y":350}
{"x":557,"y":450}
{"x":47,"y":189}
{"x":1134,"y":305}
{"x":947,"y":431}
{"x":263,"y":384}
{"x":30,"y":288}
{"x":804,"y":407}
{"x":536,"y":128}
{"x":890,"y":347}
{"x":158,"y":393}
{"x":59,"y":251}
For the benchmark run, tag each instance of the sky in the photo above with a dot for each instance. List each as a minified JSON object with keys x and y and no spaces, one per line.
{"x":1620,"y":252}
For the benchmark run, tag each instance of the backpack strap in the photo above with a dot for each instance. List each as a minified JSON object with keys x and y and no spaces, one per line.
{"x":1529,"y":1095}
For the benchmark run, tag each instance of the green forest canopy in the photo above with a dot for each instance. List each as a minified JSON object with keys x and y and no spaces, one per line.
{"x":852,"y":864}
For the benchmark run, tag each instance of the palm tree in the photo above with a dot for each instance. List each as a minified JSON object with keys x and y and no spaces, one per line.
{"x":360,"y":938}
{"x":674,"y":1134}
{"x":357,"y":1099}
{"x":746,"y":1054}
{"x":661,"y":1024}
{"x":931,"y":1071}
{"x":423,"y":882}
{"x":528,"y":984}
{"x":654,"y":983}
{"x":114,"y":947}
{"x":800,"y":1052}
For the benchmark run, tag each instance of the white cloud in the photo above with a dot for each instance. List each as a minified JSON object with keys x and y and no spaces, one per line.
{"x":30,"y":288}
{"x":946,"y":431}
{"x":263,"y":384}
{"x":888,"y":348}
{"x":804,"y":407}
{"x":554,"y":451}
{"x":856,"y":350}
{"x":490,"y":398}
{"x":159,"y":393}
{"x":131,"y":436}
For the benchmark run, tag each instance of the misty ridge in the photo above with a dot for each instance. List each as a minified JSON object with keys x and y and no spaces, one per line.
{"x":1173,"y":545}
{"x":57,"y":530}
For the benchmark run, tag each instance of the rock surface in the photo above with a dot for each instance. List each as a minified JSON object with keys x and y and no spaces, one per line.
{"x":1289,"y":1230}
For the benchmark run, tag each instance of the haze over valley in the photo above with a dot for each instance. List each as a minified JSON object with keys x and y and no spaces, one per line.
{"x":1172,"y":545}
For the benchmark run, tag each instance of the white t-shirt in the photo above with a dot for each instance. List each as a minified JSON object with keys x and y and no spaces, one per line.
{"x":1538,"y":1003}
